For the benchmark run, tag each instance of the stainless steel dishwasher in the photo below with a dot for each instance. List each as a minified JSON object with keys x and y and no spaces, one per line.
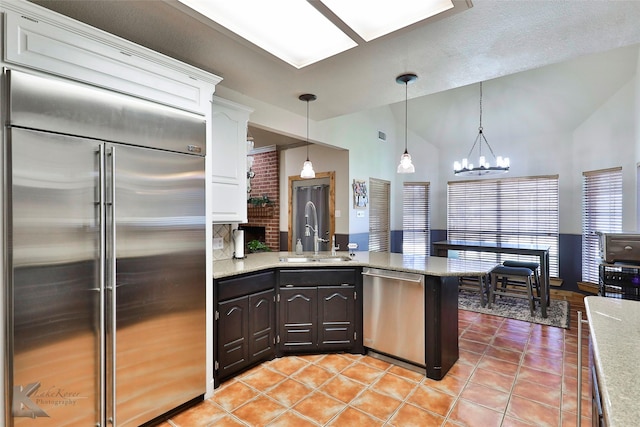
{"x":394,"y":314}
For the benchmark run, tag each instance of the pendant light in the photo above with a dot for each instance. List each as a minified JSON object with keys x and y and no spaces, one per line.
{"x":307,"y":167}
{"x":483,"y":167}
{"x":406,"y":165}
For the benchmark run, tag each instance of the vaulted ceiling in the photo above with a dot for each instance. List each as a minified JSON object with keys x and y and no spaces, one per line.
{"x":493,"y":38}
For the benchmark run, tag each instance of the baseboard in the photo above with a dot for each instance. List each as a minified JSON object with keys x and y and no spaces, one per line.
{"x":555,"y":282}
{"x":560,"y":294}
{"x":589,"y":287}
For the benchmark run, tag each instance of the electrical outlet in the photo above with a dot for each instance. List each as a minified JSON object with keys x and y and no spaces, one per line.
{"x":218,"y":243}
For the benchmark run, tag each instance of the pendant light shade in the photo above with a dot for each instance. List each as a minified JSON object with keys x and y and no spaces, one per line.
{"x":406,"y":165}
{"x":466,"y":168}
{"x":307,"y":167}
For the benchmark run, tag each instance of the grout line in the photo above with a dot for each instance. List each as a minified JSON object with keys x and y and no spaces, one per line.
{"x":567,"y":335}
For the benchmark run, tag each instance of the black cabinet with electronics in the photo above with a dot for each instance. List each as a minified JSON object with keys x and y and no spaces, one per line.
{"x":319,"y":310}
{"x":244,"y":326}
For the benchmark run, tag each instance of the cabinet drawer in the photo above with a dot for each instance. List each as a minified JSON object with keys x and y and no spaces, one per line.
{"x":318,"y":277}
{"x":245,"y":285}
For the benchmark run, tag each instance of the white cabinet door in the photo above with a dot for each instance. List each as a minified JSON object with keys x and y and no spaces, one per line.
{"x":229,"y":161}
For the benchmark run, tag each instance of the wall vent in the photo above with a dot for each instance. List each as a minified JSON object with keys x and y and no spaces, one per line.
{"x":382,"y":136}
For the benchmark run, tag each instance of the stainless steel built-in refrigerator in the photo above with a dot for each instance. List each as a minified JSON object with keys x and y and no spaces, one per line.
{"x":106,"y":253}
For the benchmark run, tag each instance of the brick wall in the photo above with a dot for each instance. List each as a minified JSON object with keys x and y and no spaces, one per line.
{"x":266,"y":181}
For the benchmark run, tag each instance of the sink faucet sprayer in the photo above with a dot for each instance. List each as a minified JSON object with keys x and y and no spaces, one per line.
{"x":316,"y":238}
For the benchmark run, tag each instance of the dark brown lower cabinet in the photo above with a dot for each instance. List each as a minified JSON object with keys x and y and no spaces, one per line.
{"x":245,"y":321}
{"x":233,"y":336}
{"x":298,"y":328}
{"x":319,"y":311}
{"x":289,"y":311}
{"x":317,"y":318}
{"x":336,"y":317}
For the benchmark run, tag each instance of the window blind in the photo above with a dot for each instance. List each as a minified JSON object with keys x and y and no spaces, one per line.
{"x":520,"y":210}
{"x":416,"y":219}
{"x":379,"y":218}
{"x":601,"y":211}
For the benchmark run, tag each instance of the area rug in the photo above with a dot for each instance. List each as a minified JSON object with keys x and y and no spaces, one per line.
{"x":517,"y":308}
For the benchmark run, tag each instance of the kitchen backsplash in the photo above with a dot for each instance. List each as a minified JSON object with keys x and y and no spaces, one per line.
{"x":223,"y":231}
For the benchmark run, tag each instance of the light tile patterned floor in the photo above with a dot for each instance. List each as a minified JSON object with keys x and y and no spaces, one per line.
{"x":510,"y":373}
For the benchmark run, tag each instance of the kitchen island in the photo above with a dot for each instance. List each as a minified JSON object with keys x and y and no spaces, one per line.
{"x":305,"y":286}
{"x":614,"y":327}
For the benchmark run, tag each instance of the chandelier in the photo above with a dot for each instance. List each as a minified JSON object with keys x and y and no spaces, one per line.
{"x":464,"y":168}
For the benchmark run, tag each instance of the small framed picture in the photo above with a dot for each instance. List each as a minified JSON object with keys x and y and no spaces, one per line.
{"x":360,"y":198}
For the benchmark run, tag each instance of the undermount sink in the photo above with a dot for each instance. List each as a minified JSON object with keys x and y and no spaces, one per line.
{"x":315,"y":259}
{"x":333,"y":259}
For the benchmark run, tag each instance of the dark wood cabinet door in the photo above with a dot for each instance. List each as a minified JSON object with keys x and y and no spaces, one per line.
{"x":233,"y":330}
{"x":336,"y":317}
{"x":261,"y":325}
{"x":298,"y":319}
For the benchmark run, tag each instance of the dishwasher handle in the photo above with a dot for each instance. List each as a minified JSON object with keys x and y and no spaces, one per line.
{"x":417,"y":279}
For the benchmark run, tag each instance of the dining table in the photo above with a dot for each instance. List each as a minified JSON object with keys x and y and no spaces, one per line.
{"x":442,"y":249}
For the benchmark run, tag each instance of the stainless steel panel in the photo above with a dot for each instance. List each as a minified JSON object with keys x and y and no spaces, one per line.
{"x":106,"y":246}
{"x":394,"y":314}
{"x":620,"y":247}
{"x":68,"y":107}
{"x":55,"y":311}
{"x":159,"y":211}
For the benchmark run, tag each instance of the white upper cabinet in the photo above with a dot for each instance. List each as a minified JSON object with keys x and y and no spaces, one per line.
{"x":229,"y":161}
{"x":39,"y":39}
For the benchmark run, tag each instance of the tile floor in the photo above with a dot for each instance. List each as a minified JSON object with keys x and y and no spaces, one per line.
{"x":510,"y":373}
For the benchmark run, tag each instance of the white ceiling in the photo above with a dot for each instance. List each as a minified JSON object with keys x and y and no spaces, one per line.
{"x":494,"y":38}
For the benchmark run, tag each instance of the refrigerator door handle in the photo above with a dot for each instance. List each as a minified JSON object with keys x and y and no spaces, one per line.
{"x":103,"y":333}
{"x":111,"y":283}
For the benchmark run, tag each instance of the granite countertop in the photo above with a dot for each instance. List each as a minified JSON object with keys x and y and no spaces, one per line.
{"x":614,"y":325}
{"x":432,"y":266}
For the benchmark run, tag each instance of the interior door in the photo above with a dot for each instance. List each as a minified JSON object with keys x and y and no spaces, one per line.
{"x":55,"y":286}
{"x":158,"y":208}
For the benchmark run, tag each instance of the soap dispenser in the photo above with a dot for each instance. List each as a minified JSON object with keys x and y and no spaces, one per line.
{"x":299,"y":247}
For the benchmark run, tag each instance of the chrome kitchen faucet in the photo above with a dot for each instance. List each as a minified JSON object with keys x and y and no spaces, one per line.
{"x":316,"y":238}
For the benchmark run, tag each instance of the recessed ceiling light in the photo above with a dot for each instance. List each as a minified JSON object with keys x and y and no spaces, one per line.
{"x":292,"y":30}
{"x":373,"y":19}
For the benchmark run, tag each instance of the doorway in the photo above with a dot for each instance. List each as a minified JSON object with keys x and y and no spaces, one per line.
{"x":321,"y":192}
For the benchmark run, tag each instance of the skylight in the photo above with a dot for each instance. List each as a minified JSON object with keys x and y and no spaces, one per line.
{"x":373,"y":19}
{"x":299,"y":34}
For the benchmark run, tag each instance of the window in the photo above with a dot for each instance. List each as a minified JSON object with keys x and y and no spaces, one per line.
{"x":509,"y":210}
{"x":416,"y":228}
{"x":601,"y":211}
{"x":379,"y":223}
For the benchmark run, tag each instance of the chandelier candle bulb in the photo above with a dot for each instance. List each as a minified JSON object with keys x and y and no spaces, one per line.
{"x":484,"y":167}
